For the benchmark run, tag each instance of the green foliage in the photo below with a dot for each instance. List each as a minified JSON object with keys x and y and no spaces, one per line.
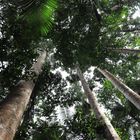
{"x":123,"y":133}
{"x":82,"y":33}
{"x":84,"y":125}
{"x":39,"y":14}
{"x":76,"y":35}
{"x":45,"y":132}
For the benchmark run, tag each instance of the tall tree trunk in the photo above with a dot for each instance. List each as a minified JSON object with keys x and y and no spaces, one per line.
{"x":111,"y":133}
{"x":13,"y":107}
{"x":126,"y":51}
{"x":28,"y":113}
{"x":132,"y":96}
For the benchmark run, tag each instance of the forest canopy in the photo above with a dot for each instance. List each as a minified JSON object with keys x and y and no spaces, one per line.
{"x":69,"y":70}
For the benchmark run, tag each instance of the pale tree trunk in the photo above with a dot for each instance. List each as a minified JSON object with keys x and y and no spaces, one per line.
{"x":13,"y":107}
{"x":110,"y":131}
{"x":132,"y":96}
{"x":125,"y":50}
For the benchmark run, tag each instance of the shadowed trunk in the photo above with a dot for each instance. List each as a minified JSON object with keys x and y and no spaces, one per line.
{"x":13,"y":107}
{"x":110,"y":131}
{"x":132,"y":96}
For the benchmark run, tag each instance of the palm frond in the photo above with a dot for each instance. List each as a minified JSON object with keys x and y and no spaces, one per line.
{"x":39,"y":14}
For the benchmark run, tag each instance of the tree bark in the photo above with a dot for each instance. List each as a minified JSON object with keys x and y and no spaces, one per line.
{"x":13,"y":107}
{"x":132,"y":96}
{"x":111,"y":133}
{"x":126,"y":51}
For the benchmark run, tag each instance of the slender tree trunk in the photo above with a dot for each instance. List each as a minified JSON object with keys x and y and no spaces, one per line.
{"x":126,"y":51}
{"x":111,"y":133}
{"x":13,"y":107}
{"x":132,"y":96}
